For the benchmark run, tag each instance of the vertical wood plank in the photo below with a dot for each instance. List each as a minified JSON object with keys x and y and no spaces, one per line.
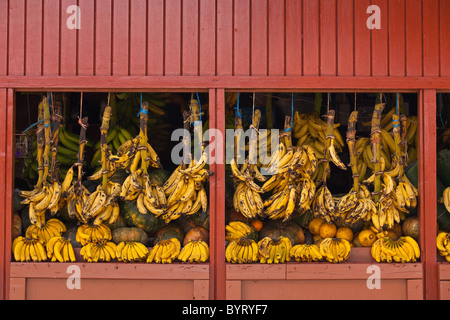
{"x":397,"y":54}
{"x":445,"y":38}
{"x":380,"y":46}
{"x":234,"y":290}
{"x":201,"y":290}
{"x":362,"y":39}
{"x":103,"y":38}
{"x":293,"y":37}
{"x":155,"y":25}
{"x":10,"y":157}
{"x":224,"y":37}
{"x":173,"y":38}
{"x":259,"y":38}
{"x":428,"y":191}
{"x":33,"y":45}
{"x":16,"y":42}
{"x":219,"y":232}
{"x":4,"y":13}
{"x":18,"y":289}
{"x":86,"y":48}
{"x":328,"y":37}
{"x":68,"y":44}
{"x":3,"y":228}
{"x":207,"y":50}
{"x":311,"y":50}
{"x":121,"y":45}
{"x":190,"y":45}
{"x":138,"y":38}
{"x":414,"y":38}
{"x":276,"y":35}
{"x":345,"y":42}
{"x":51,"y":44}
{"x":431,"y":38}
{"x":241,"y":46}
{"x":415,"y":289}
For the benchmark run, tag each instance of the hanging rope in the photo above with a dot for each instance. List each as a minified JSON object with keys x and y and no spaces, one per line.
{"x":238,"y":113}
{"x":142,"y":110}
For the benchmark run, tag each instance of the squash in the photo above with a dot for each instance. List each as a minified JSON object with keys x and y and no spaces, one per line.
{"x":16,"y":227}
{"x":133,"y":218}
{"x":129,"y":234}
{"x":71,"y":234}
{"x":275,"y":229}
{"x":197,"y":233}
{"x":172,"y":230}
{"x":201,"y":218}
{"x":159,"y":176}
{"x":119,"y":176}
{"x":411,"y":227}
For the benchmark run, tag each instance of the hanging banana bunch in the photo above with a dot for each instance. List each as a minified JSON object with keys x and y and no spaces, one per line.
{"x":357,"y":204}
{"x":247,"y":196}
{"x":185,"y":188}
{"x":40,"y":198}
{"x":323,"y":205}
{"x":101,"y":205}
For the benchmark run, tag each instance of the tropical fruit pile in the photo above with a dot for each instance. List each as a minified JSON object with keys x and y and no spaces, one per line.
{"x":128,"y":209}
{"x":292,"y":185}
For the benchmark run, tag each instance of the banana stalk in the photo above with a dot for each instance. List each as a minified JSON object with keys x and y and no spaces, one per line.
{"x":143,"y":136}
{"x":104,"y":144}
{"x":253,"y":156}
{"x":48,"y":139}
{"x":351,"y":141}
{"x":237,"y":137}
{"x":329,"y":137}
{"x":198,"y":128}
{"x":397,"y":139}
{"x":82,"y":143}
{"x":40,"y":145}
{"x":287,"y":134}
{"x":186,"y":140}
{"x":55,"y":141}
{"x":376,"y":141}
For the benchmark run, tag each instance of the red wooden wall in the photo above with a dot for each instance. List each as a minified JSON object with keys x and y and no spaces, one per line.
{"x":225,"y":37}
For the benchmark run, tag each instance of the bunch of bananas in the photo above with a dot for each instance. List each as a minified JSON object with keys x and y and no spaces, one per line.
{"x":274,"y":251}
{"x":357,"y":204}
{"x":236,"y":230}
{"x":87,"y":233}
{"x":443,"y":244}
{"x":185,"y":191}
{"x":165,"y":251}
{"x":242,"y":251}
{"x":445,"y":199}
{"x":323,"y":204}
{"x":60,"y":249}
{"x":445,"y":137}
{"x":310,"y":130}
{"x":28,"y":249}
{"x":306,"y":253}
{"x":131,"y":251}
{"x":52,"y":228}
{"x":335,"y":250}
{"x":403,"y":250}
{"x":194,"y":251}
{"x":102,"y":250}
{"x":118,"y":140}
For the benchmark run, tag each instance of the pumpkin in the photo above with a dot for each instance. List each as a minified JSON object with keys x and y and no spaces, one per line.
{"x":172,"y":230}
{"x":16,"y":228}
{"x":411,"y":227}
{"x":159,"y":176}
{"x":129,"y":234}
{"x":276,"y":229}
{"x":233,"y":215}
{"x":197,"y":233}
{"x":119,"y":176}
{"x":120,"y":223}
{"x":133,"y":218}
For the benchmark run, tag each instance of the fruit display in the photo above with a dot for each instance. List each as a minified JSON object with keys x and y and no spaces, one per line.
{"x":445,"y":199}
{"x":274,"y":251}
{"x":443,"y":244}
{"x":114,"y":202}
{"x":242,"y":250}
{"x":403,"y":250}
{"x":298,"y":184}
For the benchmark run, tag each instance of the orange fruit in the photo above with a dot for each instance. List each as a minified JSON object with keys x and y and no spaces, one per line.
{"x":314,"y":225}
{"x":257,"y":224}
{"x":367,"y":237}
{"x":327,"y":230}
{"x":345,"y":233}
